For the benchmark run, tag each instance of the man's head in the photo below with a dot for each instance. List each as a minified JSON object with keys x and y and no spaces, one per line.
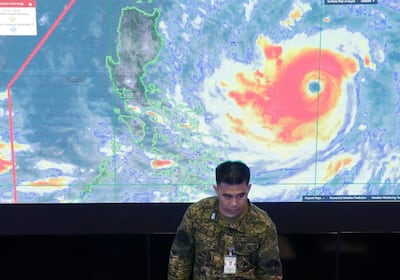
{"x":232,"y":187}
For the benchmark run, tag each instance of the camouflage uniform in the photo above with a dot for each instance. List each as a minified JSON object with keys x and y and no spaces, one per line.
{"x":203,"y":239}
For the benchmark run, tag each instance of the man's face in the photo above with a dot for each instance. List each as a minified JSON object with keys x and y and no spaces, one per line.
{"x":232,"y":198}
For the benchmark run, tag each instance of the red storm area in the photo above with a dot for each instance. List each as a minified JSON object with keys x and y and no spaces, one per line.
{"x":161,"y":163}
{"x":5,"y":166}
{"x":282,"y":96}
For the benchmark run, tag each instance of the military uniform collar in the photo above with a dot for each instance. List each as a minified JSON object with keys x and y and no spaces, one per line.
{"x":236,"y":223}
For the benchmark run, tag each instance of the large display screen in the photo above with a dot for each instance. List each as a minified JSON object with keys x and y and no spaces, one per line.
{"x":138,"y":101}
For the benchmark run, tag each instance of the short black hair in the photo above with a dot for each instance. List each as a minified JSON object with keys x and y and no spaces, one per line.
{"x":232,"y":172}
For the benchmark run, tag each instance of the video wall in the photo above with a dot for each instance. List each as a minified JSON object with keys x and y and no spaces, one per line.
{"x":138,"y":101}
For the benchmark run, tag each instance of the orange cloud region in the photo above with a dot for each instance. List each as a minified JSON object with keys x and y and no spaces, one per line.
{"x":297,"y":89}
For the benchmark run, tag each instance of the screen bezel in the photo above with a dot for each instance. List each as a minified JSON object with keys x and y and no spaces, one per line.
{"x":163,"y":218}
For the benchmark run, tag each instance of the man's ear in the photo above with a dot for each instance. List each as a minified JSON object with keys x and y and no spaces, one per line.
{"x":249,"y":186}
{"x":215,"y":189}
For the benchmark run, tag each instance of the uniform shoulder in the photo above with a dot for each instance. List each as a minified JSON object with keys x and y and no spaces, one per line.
{"x":261,"y":215}
{"x":202,"y":205}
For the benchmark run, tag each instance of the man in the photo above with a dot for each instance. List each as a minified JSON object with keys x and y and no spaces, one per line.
{"x":226,"y":236}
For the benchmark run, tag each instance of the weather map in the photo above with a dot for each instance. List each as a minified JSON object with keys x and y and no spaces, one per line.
{"x":137,"y":101}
